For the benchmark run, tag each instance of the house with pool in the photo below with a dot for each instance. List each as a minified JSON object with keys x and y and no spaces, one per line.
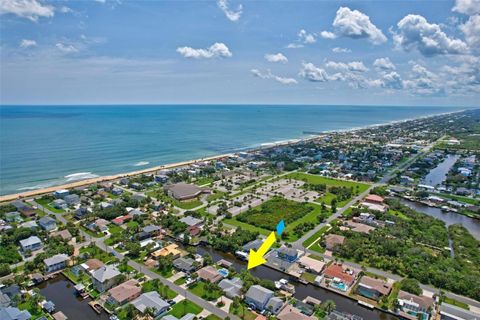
{"x":339,"y":277}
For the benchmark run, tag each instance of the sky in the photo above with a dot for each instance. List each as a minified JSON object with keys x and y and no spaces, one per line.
{"x":240,"y":52}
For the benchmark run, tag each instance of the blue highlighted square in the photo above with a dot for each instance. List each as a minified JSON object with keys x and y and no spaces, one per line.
{"x":280,"y":227}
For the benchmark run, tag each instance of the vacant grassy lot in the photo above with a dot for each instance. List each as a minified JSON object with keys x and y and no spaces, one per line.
{"x":313,"y":238}
{"x":357,"y":187}
{"x":200,"y":289}
{"x":187,"y":205}
{"x":271,"y":212}
{"x":183,"y":307}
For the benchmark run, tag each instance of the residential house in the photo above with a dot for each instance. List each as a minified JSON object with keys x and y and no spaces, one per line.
{"x":451,"y":312}
{"x":171,"y":249}
{"x":289,"y":312}
{"x":288,"y":254}
{"x":191,"y":221}
{"x":55,"y":263}
{"x":64,"y":234}
{"x":310,"y":264}
{"x":121,"y":220}
{"x":31,"y":244}
{"x":333,"y":240}
{"x":91,"y":265}
{"x":59,"y":204}
{"x":29,"y":224}
{"x":27,"y":211}
{"x":151,"y":300}
{"x":373,"y":198}
{"x":274,"y":305}
{"x":184,"y":264}
{"x":418,"y":306}
{"x":13,"y":216}
{"x":209,"y":274}
{"x":47,"y":223}
{"x":257,"y":297}
{"x":373,"y":288}
{"x":161,"y":178}
{"x":80,"y":213}
{"x":105,"y":277}
{"x":60,"y":194}
{"x":72,"y":199}
{"x":231,"y":287}
{"x":124,"y":292}
{"x":152,"y":230}
{"x":339,"y":277}
{"x":12,"y":313}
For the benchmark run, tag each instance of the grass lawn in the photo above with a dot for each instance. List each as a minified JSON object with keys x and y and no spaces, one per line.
{"x":212,"y":317}
{"x":393,"y":295}
{"x":315,"y":257}
{"x":114,"y":229}
{"x":398,"y":214}
{"x":180,"y":281}
{"x":91,"y":233}
{"x":308,"y":277}
{"x":101,"y":255}
{"x":162,"y":289}
{"x":216,"y":195}
{"x":242,"y":312}
{"x":204,"y":181}
{"x":246,"y":226}
{"x":165,"y":274}
{"x":317,"y":248}
{"x":204,"y":213}
{"x":455,"y":303}
{"x":131,"y":224}
{"x":315,"y":236}
{"x":199,"y":290}
{"x":46,"y":203}
{"x":34,"y":310}
{"x":460,"y":198}
{"x":183,"y":307}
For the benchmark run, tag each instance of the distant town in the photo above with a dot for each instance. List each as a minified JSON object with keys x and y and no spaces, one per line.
{"x":380,"y":223}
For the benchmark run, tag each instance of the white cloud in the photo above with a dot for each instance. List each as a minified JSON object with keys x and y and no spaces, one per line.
{"x":354,"y":66}
{"x":25,"y":43}
{"x":357,"y":25}
{"x":471,"y":30}
{"x":278,"y":57}
{"x":424,"y":82}
{"x":468,"y":7}
{"x":232,"y":15}
{"x":65,"y":9}
{"x":391,"y":80}
{"x":306,"y":37}
{"x":66,"y":48}
{"x":415,"y":32}
{"x":383,"y":64}
{"x":217,"y":50}
{"x":29,"y":9}
{"x":294,"y":45}
{"x":341,"y":50}
{"x":328,"y":35}
{"x":270,"y":75}
{"x":312,"y":73}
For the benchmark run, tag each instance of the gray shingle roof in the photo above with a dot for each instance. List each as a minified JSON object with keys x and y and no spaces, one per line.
{"x":258,"y":293}
{"x":58,"y":258}
{"x":105,"y":273}
{"x":149,"y":299}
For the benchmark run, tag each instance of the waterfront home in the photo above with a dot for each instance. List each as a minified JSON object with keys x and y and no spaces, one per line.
{"x":257,"y":297}
{"x":64,"y":234}
{"x":59,"y":316}
{"x":184,"y":191}
{"x":105,"y":277}
{"x":287,"y":254}
{"x":55,"y":263}
{"x":373,"y":198}
{"x":339,"y":277}
{"x":27,"y":211}
{"x":252,"y":245}
{"x":356,"y":227}
{"x":60,"y":194}
{"x":184,"y":264}
{"x":373,"y":288}
{"x":312,"y":265}
{"x":47,"y":223}
{"x":124,"y":292}
{"x":72,"y":199}
{"x":91,"y":265}
{"x":5,"y":300}
{"x":374,"y":206}
{"x":12,"y":313}
{"x":31,"y":244}
{"x":171,"y":249}
{"x":231,"y":287}
{"x":151,"y":300}
{"x":332,"y":241}
{"x":160,"y":178}
{"x":289,"y":312}
{"x":451,"y":312}
{"x":417,"y":306}
{"x":48,"y":306}
{"x":13,"y":216}
{"x":191,"y":221}
{"x":274,"y":305}
{"x":59,"y":204}
{"x":209,"y":274}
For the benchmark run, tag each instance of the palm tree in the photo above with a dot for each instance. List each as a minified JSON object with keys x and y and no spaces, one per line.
{"x":328,"y":306}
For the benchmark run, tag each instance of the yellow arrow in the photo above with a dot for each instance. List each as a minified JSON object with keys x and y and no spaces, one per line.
{"x":256,"y":258}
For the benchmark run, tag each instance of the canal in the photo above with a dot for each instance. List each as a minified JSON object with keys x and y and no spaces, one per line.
{"x":438,"y":174}
{"x":62,"y":293}
{"x":472,"y":225}
{"x":301,"y":290}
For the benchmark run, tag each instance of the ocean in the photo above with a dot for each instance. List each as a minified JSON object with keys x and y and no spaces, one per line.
{"x":42,"y":146}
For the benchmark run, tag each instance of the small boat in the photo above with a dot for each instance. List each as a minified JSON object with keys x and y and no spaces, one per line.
{"x":242,"y":255}
{"x":96,"y":306}
{"x":283,"y":284}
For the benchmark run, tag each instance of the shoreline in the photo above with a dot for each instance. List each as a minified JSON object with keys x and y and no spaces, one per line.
{"x":263,"y":146}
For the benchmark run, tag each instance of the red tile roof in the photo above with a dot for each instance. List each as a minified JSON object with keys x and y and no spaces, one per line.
{"x":337,"y":271}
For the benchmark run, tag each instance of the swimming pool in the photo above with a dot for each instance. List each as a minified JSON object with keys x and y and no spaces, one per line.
{"x":339,"y":285}
{"x":223,"y":272}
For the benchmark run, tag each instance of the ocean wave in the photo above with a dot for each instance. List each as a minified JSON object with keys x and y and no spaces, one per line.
{"x":141,"y":163}
{"x":38,"y":186}
{"x":80,"y":176}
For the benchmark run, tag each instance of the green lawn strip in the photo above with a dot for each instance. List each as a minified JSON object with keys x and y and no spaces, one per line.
{"x":317,"y":248}
{"x":315,"y":236}
{"x":216,"y":195}
{"x":91,"y":233}
{"x":455,"y":303}
{"x":180,"y":281}
{"x":99,"y":254}
{"x":393,"y":295}
{"x":35,"y":310}
{"x":246,"y":226}
{"x":114,"y":229}
{"x":163,"y":290}
{"x":199,"y":289}
{"x":204,"y":181}
{"x":183,"y":307}
{"x":459,"y":198}
{"x":315,"y":257}
{"x":46,"y":203}
{"x":310,"y":277}
{"x":310,"y":217}
{"x":204,"y":213}
{"x":398,"y":214}
{"x":212,"y":317}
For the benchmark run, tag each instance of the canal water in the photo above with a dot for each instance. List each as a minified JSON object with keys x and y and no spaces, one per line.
{"x":301,"y":290}
{"x":472,"y":225}
{"x":62,"y":293}
{"x":438,"y":174}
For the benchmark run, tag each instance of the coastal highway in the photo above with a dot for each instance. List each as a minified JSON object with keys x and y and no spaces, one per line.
{"x":99,"y":242}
